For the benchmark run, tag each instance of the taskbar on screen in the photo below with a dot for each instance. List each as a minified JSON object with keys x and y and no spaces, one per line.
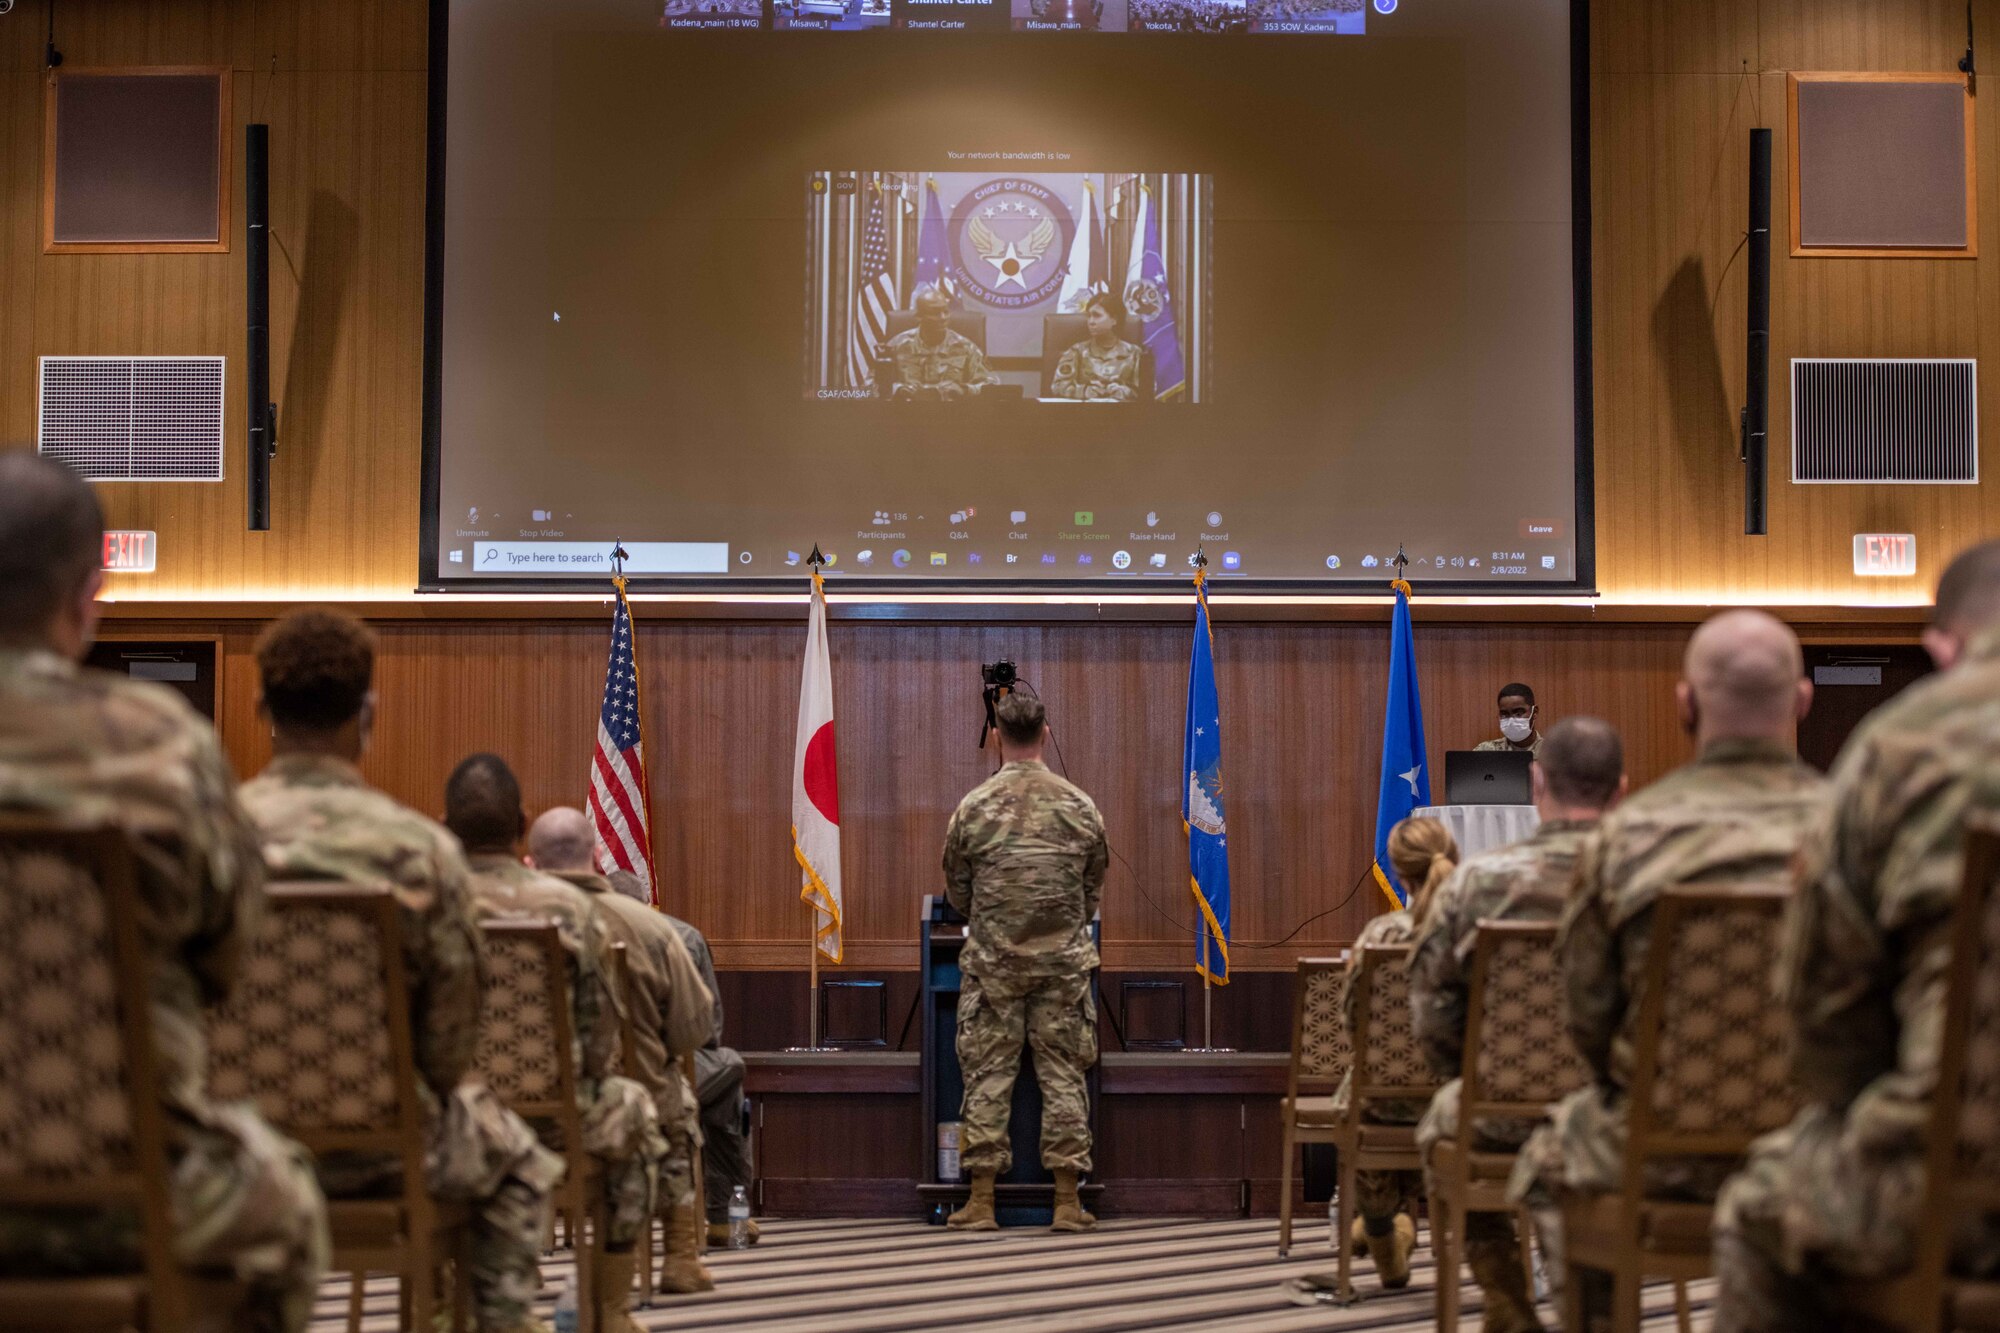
{"x":969,"y":543}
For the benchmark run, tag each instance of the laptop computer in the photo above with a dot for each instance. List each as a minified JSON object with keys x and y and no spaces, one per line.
{"x":1487,"y":777}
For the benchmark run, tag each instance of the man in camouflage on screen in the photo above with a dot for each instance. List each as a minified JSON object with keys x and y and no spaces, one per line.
{"x":621,"y":1127}
{"x":1024,"y":860}
{"x":1862,"y":970}
{"x":1736,"y":815}
{"x":672,"y":1013}
{"x":1579,"y":773}
{"x":933,"y":360}
{"x":319,"y":819}
{"x":94,"y":749}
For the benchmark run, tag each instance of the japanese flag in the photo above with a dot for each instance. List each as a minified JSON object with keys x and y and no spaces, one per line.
{"x":816,"y":787}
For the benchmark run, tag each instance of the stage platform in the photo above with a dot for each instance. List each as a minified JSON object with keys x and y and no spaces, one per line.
{"x":1178,"y":1135}
{"x":858,"y":1276}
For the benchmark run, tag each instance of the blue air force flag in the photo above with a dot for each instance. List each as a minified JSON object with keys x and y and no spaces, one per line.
{"x":1406,"y":783}
{"x":1146,"y":296}
{"x":1201,"y":802}
{"x":933,"y":253}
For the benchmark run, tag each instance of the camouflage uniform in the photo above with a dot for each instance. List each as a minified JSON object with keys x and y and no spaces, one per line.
{"x":1862,"y":971}
{"x":1024,"y":859}
{"x":620,"y":1126}
{"x":718,"y":1075}
{"x":1502,"y":743}
{"x":1085,"y":372}
{"x":1528,"y":881}
{"x":670,"y":1015}
{"x":319,"y":819}
{"x":98,"y":749}
{"x":956,"y":360}
{"x":1379,"y":1195}
{"x":1736,"y":815}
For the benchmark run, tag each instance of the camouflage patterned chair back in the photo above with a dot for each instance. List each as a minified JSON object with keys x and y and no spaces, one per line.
{"x":1712,"y":1071}
{"x":1714,"y":1051}
{"x":1388,"y":1068}
{"x":76,"y":1045}
{"x":317,"y":1032}
{"x":1320,"y":1059}
{"x":625,"y":1059}
{"x":527,"y":1056}
{"x":1519,"y":1062}
{"x":1517,"y":1029}
{"x":1962,"y":1170}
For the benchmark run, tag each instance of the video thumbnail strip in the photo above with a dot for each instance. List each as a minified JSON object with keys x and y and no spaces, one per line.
{"x":1336,"y":17}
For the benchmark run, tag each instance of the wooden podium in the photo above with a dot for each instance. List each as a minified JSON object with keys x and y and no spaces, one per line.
{"x":1025,"y":1196}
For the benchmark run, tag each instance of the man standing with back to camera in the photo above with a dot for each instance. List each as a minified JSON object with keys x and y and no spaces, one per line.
{"x":1024,"y":860}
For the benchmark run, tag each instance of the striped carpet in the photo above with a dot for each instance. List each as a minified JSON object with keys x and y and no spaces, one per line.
{"x":1140,"y":1274}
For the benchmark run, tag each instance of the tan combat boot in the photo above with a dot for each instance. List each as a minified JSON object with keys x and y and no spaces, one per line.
{"x":1391,"y":1252}
{"x":1069,"y":1209}
{"x":1357,"y":1236}
{"x":977,"y":1215}
{"x":613,"y":1291}
{"x":681,"y":1272}
{"x":1510,"y":1306}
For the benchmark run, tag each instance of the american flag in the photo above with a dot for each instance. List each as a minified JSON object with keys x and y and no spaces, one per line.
{"x":874,"y":294}
{"x":619,"y":805}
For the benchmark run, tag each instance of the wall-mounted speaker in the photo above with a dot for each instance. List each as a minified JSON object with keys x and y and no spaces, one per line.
{"x":1757,"y":371}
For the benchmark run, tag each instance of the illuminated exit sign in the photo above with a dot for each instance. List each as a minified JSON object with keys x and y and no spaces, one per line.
{"x":131,"y":552}
{"x":1885,"y":555}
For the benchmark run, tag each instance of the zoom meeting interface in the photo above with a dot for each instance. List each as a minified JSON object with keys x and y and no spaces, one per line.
{"x":1007,"y":290}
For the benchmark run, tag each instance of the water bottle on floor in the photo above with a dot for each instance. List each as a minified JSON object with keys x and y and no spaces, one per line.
{"x":566,"y":1321}
{"x":739,"y":1219}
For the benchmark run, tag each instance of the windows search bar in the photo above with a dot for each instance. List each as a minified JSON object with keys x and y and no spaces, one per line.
{"x":595,"y":557}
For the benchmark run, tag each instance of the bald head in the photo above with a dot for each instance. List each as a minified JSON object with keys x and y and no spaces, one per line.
{"x":561,"y":839}
{"x":1968,"y":603}
{"x":1744,"y":679}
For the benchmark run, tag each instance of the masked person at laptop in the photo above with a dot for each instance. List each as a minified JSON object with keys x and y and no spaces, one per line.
{"x":1517,"y":722}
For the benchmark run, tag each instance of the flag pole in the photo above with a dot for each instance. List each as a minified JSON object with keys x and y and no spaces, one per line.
{"x":816,"y":561}
{"x":1205,"y":934}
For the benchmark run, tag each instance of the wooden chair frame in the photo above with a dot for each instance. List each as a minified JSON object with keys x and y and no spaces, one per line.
{"x":1632,"y":1249}
{"x":581,"y":1193}
{"x":1464,"y":1179}
{"x":1928,"y":1299}
{"x":628,"y":1065}
{"x":411,"y":1234}
{"x":161,"y":1296}
{"x":1296,"y":1133}
{"x":1348,"y":1136}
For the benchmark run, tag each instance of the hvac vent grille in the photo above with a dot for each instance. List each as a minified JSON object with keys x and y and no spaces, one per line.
{"x":134,"y":418}
{"x":1885,"y":421}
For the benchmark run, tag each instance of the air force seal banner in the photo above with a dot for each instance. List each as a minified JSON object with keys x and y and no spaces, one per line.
{"x":1406,"y":780}
{"x":816,"y":787}
{"x":1201,"y":802}
{"x":1009,"y":238}
{"x":1146,"y":296}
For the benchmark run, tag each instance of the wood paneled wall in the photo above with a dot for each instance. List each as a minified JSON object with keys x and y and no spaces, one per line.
{"x":1676,"y":87}
{"x":1302,"y":729}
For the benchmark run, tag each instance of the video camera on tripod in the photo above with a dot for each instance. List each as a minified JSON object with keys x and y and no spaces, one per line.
{"x":996,"y":679}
